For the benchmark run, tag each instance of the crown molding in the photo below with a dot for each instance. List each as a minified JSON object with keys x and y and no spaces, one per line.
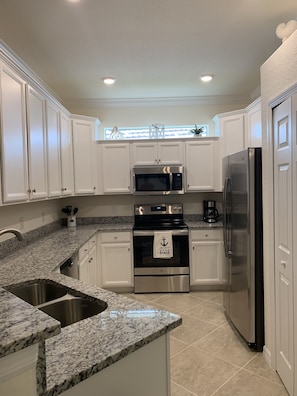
{"x":243,"y":100}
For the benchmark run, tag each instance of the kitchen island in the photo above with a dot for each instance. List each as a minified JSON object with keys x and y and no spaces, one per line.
{"x":93,"y":351}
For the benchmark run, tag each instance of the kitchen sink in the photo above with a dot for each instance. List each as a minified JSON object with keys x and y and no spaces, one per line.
{"x":57,"y":301}
{"x":68,"y":311}
{"x":38,"y":292}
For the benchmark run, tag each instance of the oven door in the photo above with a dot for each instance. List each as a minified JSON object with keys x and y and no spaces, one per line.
{"x":146,"y":264}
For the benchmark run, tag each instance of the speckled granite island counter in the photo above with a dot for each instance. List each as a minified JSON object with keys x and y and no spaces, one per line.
{"x":78,"y":352}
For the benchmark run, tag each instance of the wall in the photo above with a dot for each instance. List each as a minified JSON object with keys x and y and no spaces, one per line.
{"x":29,"y":216}
{"x":145,"y":114}
{"x":278,"y":77}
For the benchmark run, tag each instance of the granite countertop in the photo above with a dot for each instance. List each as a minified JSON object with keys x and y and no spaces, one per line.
{"x":82,"y":349}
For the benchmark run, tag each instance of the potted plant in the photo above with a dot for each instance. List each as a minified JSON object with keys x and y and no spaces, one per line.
{"x":197,"y":131}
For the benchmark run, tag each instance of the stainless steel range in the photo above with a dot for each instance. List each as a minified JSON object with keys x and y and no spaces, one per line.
{"x":161,"y":249}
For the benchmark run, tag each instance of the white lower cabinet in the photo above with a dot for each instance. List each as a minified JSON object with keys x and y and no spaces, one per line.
{"x":18,"y":372}
{"x":88,"y":262}
{"x":116,"y":260}
{"x":129,"y":376}
{"x":206,"y":257}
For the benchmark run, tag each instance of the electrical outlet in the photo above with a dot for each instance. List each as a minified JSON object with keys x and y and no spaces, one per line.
{"x":22,"y":226}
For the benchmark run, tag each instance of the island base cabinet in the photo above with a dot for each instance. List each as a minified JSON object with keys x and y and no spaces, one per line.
{"x":145,"y":372}
{"x":18,"y":373}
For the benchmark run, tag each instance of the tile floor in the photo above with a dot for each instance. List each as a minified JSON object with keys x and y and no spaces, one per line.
{"x":208,"y":356}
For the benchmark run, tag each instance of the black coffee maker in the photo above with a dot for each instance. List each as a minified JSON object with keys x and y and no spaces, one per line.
{"x":210,"y":213}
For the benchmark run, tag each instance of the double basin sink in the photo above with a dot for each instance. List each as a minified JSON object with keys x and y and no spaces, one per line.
{"x":57,"y":301}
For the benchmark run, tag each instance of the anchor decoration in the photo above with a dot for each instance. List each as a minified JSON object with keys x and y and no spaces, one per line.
{"x":164,"y":242}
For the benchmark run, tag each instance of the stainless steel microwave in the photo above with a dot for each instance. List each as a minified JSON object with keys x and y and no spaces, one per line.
{"x":158,"y":180}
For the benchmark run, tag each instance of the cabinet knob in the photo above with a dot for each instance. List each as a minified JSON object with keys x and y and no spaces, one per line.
{"x":29,"y":190}
{"x":94,"y":188}
{"x":206,"y":235}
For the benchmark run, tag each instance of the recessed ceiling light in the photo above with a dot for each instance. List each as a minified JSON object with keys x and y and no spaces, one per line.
{"x":206,"y":77}
{"x":108,"y":80}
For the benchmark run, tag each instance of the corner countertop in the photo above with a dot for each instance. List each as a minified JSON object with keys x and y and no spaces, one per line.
{"x":82,"y":349}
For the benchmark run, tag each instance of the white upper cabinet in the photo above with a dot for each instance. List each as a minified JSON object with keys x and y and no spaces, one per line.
{"x":116,"y":173}
{"x":84,"y":153}
{"x":37,"y":155}
{"x":158,"y":153}
{"x":53,"y":149}
{"x":201,"y":164}
{"x":230,"y":127}
{"x":14,"y":159}
{"x":67,"y":182}
{"x":254,"y":125}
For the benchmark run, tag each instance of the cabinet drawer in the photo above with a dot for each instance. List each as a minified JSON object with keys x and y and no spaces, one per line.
{"x":206,"y":235}
{"x":109,"y":237}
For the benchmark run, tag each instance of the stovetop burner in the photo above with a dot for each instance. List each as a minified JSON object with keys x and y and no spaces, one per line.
{"x":159,"y":217}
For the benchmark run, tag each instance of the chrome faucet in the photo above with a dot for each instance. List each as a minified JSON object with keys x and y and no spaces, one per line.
{"x":14,"y":231}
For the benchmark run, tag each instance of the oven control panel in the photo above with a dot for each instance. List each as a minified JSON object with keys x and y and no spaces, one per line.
{"x":158,"y":209}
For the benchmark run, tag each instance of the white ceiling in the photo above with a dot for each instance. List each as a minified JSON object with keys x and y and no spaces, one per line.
{"x":155,"y":48}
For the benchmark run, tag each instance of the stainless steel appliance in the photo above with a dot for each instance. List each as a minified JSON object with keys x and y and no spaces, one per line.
{"x":243,"y":241}
{"x":161,"y":249}
{"x":210,"y":213}
{"x":158,"y":180}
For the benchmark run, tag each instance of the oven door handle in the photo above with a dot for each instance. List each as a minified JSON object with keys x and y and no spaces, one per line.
{"x":151,"y":233}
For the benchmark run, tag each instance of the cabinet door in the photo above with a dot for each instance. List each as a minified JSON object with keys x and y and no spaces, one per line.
{"x":232,"y":134}
{"x":145,"y":153}
{"x":116,"y":260}
{"x":84,"y":270}
{"x":66,"y":155}
{"x":53,"y":149}
{"x":37,"y":155}
{"x":254,"y":126}
{"x":116,"y":168}
{"x":14,"y":161}
{"x":206,"y":265}
{"x":200,"y":166}
{"x":84,"y":151}
{"x":171,"y":153}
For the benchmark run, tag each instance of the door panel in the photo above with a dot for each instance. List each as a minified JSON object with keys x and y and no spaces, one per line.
{"x":283,"y":242}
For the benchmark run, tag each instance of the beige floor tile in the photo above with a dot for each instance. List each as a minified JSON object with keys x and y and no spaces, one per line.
{"x":259,"y":366}
{"x":176,"y":346}
{"x":192,"y":329}
{"x":179,"y":303}
{"x":245,"y":383}
{"x":177,"y":390}
{"x":206,"y":295}
{"x":210,"y":312}
{"x":218,"y":299}
{"x":199,"y":372}
{"x":225,"y":343}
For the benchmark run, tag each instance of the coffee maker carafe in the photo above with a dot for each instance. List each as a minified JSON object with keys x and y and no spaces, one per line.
{"x":210,"y":213}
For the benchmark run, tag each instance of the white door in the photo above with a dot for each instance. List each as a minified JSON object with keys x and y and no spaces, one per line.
{"x":116,"y":265}
{"x":53,"y":150}
{"x":283,"y":242}
{"x":13,"y":135}
{"x":84,"y":152}
{"x":200,"y":171}
{"x":116,"y":168}
{"x":66,"y":154}
{"x":36,"y":144}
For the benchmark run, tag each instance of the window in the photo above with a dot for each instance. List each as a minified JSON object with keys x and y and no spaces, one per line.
{"x":154,"y":131}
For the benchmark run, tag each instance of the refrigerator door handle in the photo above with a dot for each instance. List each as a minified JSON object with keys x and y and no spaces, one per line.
{"x":226,"y":225}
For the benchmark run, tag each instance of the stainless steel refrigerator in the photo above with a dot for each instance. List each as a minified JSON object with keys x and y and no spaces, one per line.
{"x":243,"y":243}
